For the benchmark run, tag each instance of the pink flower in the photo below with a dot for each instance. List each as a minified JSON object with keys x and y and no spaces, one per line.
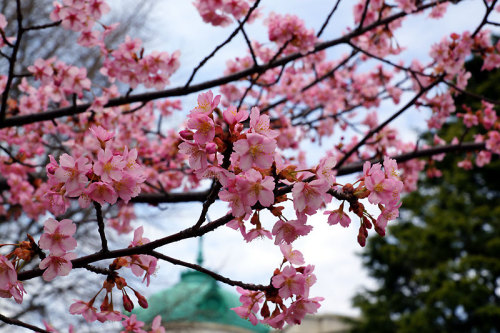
{"x":108,"y":166}
{"x":8,"y":274}
{"x":132,"y":324}
{"x":256,"y":150}
{"x":338,"y":216}
{"x":382,"y":190}
{"x":73,"y":173}
{"x":293,"y":257}
{"x":302,"y":306}
{"x":289,"y":282}
{"x":260,"y":124}
{"x":289,"y":231}
{"x":249,"y":304}
{"x":325,"y":170}
{"x":493,"y":142}
{"x":126,"y":188}
{"x":57,"y":265}
{"x":198,"y":156}
{"x":391,"y":168}
{"x":102,"y":192}
{"x":85,"y":309}
{"x":56,"y":202}
{"x":308,"y":197}
{"x":101,"y":134}
{"x":257,"y":189}
{"x":276,"y":321}
{"x":109,"y":315}
{"x":206,"y":103}
{"x":138,"y":239}
{"x":232,"y":116}
{"x":204,"y":126}
{"x":57,"y":236}
{"x":388,"y":213}
{"x":15,"y":290}
{"x":156,"y":325}
{"x":257,"y":232}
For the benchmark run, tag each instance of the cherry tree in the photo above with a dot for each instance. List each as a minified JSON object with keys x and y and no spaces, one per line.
{"x":78,"y":153}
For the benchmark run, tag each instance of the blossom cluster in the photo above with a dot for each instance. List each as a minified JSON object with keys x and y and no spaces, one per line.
{"x":139,"y":265}
{"x":126,"y":63}
{"x":250,"y":170}
{"x":9,"y":285}
{"x":222,"y":12}
{"x":58,"y":81}
{"x":58,"y":239}
{"x":289,"y":296}
{"x":104,"y":178}
{"x":242,"y":149}
{"x":290,"y":29}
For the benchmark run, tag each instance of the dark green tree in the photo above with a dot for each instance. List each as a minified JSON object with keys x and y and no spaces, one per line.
{"x":438,"y":268}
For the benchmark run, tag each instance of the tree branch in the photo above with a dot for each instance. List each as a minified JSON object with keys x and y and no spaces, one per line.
{"x":233,"y":34}
{"x":100,"y":225}
{"x":385,"y":123}
{"x":183,"y":90}
{"x":17,"y":322}
{"x":218,"y":277}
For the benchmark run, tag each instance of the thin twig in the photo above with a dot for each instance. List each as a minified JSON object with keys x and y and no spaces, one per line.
{"x":233,"y":34}
{"x":19,"y":323}
{"x":390,"y":119}
{"x":44,"y":26}
{"x":12,"y":62}
{"x":218,"y":277}
{"x":334,"y":9}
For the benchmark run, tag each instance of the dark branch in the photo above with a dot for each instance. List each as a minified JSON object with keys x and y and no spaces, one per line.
{"x":334,"y":9}
{"x":17,"y":322}
{"x":385,"y":123}
{"x":181,"y":91}
{"x":233,"y":34}
{"x":218,"y":277}
{"x":100,"y":225}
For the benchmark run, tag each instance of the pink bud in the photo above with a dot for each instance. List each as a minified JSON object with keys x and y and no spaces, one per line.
{"x":142,"y":300}
{"x":211,"y":148}
{"x":238,"y":127}
{"x":51,"y":169}
{"x":380,"y":230}
{"x":127,"y":303}
{"x":186,"y":134}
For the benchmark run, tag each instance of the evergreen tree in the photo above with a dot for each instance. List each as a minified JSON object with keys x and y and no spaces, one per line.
{"x":438,"y":268}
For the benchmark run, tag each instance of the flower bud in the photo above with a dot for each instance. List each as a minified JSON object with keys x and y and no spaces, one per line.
{"x":362,"y":240}
{"x":127,"y":303}
{"x":367,"y":223}
{"x":265,"y":310}
{"x":238,"y":127}
{"x":380,"y":231}
{"x":141,"y":299}
{"x":105,"y":303}
{"x":186,"y":134}
{"x":211,"y":148}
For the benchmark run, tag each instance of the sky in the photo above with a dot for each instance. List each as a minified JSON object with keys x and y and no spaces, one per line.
{"x":332,"y":249}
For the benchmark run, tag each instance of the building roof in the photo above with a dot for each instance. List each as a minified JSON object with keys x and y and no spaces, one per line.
{"x":196,"y":298}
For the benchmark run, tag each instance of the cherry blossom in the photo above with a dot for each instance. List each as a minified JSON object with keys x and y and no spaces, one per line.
{"x":58,"y":236}
{"x":55,"y":265}
{"x":256,"y":150}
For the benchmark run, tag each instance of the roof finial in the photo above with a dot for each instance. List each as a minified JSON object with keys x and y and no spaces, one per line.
{"x":199,"y":260}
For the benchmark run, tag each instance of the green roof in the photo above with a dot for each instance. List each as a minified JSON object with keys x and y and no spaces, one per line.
{"x":196,"y":298}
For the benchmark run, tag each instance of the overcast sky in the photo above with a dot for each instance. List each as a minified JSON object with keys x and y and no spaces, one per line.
{"x":333,"y":250}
